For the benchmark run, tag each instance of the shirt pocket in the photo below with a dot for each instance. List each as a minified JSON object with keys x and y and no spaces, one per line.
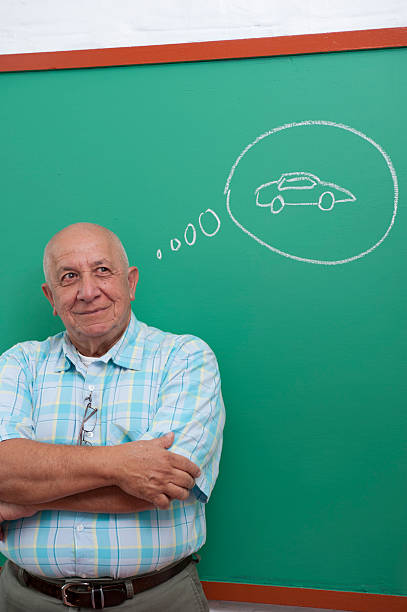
{"x":132,"y":404}
{"x":53,"y":420}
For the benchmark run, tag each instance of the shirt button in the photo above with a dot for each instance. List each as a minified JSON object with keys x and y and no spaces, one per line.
{"x":89,"y":434}
{"x":79,"y":528}
{"x":91,"y":387}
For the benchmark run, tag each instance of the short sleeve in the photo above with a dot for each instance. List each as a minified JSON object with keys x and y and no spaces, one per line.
{"x":15,"y":396}
{"x":190,"y":405}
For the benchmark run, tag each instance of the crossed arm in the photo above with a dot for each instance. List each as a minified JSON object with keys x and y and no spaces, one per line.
{"x":129,"y":477}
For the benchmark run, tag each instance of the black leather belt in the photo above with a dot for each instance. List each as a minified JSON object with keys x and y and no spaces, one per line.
{"x":99,"y":593}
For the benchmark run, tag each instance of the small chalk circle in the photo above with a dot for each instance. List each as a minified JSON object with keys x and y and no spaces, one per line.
{"x":209,"y":211}
{"x":175,"y":244}
{"x":192,"y":227}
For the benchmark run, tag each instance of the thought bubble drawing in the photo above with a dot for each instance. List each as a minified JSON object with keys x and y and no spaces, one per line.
{"x":207,"y":218}
{"x":337,"y":187}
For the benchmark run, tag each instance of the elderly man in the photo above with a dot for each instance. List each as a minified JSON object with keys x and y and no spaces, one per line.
{"x":110,"y":444}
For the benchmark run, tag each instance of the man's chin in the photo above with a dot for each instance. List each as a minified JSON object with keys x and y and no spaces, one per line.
{"x":98,"y":329}
{"x":95,"y":327}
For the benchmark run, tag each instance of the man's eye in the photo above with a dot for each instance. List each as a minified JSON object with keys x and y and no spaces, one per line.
{"x":103,"y":269}
{"x":69,"y":276}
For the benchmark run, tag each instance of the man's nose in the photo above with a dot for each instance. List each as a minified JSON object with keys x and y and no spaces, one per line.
{"x":88,"y":289}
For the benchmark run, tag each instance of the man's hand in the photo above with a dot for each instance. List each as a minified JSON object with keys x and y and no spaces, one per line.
{"x":10,"y":512}
{"x":148,"y":470}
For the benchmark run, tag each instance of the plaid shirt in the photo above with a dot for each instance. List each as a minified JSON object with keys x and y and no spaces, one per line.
{"x":148,"y":384}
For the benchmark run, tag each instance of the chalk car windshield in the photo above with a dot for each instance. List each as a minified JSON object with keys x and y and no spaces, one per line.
{"x":299,"y":182}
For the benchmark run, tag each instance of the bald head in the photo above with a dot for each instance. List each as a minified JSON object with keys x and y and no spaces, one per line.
{"x":90,"y":285}
{"x":80,"y":233}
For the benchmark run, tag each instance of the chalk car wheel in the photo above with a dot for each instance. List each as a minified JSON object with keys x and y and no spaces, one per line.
{"x":326,"y":201}
{"x":277,"y":204}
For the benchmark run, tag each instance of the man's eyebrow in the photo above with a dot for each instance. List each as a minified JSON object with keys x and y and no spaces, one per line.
{"x":65,"y":269}
{"x":98,"y":262}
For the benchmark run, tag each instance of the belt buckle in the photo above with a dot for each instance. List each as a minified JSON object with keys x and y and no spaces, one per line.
{"x":92,"y":594}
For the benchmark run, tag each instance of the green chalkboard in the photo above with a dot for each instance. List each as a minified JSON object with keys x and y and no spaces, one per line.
{"x":213,"y":175}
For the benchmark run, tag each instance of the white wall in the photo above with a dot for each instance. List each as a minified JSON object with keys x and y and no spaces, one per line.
{"x":53,"y":25}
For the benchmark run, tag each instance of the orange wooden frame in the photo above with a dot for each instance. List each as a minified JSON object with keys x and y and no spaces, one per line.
{"x":308,"y":598}
{"x":211,"y":50}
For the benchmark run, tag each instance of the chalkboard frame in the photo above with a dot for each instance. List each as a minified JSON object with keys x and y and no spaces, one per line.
{"x":379,"y":38}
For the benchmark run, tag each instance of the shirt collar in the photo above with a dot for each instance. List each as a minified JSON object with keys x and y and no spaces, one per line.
{"x":127,"y":352}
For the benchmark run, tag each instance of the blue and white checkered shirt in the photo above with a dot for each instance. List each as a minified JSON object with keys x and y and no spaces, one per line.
{"x":148,"y":384}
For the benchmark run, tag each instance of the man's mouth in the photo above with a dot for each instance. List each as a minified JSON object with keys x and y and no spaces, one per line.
{"x":90,"y":312}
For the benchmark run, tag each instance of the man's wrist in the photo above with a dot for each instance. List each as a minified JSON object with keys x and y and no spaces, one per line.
{"x":103,"y":465}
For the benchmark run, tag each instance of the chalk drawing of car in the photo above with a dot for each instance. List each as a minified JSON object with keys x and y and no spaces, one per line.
{"x":301,"y":189}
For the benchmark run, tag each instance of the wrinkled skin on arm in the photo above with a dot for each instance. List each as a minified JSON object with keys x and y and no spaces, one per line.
{"x":130,"y":477}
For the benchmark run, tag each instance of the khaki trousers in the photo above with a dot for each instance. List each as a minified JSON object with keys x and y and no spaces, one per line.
{"x":182,"y":593}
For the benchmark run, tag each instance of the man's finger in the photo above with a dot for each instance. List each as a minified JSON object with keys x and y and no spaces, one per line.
{"x":184,"y":464}
{"x":166,"y":440}
{"x":182,"y":479}
{"x":175,"y":492}
{"x":162,"y":501}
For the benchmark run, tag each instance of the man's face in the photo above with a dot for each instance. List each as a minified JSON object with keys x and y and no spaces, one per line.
{"x":89,"y":287}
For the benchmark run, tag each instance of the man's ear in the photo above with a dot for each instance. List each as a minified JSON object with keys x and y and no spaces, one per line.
{"x":48,"y":294}
{"x":133,"y":280}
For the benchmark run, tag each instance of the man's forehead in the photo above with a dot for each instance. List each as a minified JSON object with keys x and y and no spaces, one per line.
{"x":80,"y":241}
{"x":82,"y":254}
{"x":83,"y":245}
